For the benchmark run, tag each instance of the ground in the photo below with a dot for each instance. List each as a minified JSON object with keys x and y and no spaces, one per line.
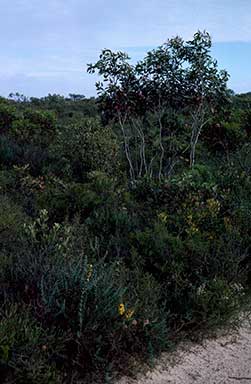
{"x":222,"y":360}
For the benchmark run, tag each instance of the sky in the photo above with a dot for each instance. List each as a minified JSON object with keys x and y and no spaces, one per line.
{"x":46,"y":44}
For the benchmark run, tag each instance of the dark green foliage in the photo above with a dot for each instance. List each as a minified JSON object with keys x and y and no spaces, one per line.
{"x":85,"y":146}
{"x":26,"y":349}
{"x":101,"y":259}
{"x":34,"y":127}
{"x":7,"y":116}
{"x":51,"y":275}
{"x":179,"y":82}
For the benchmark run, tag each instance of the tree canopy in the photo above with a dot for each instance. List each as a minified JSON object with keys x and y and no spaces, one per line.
{"x":179,"y":76}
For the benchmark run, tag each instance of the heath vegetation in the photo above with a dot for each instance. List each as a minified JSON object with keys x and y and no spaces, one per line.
{"x":125,"y":220}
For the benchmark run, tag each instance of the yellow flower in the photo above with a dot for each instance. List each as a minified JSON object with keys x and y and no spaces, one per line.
{"x":213,"y":205}
{"x":129,"y":314}
{"x":228,"y":223}
{"x":163,"y":217}
{"x":194,"y":228}
{"x":189,"y":219}
{"x":89,"y":272}
{"x":121,"y":309}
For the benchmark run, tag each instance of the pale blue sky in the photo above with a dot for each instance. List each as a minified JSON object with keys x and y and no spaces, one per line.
{"x":45,"y":44}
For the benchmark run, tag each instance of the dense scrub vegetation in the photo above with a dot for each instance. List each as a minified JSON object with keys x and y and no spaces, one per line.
{"x":124,"y":221}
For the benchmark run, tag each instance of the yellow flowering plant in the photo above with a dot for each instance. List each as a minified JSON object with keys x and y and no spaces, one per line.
{"x":121,"y":309}
{"x":127,"y":313}
{"x":89,"y":272}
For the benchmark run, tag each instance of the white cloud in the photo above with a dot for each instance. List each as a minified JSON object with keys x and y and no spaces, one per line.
{"x":51,"y":37}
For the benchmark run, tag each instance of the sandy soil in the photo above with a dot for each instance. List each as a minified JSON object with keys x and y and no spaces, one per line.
{"x":224,"y":360}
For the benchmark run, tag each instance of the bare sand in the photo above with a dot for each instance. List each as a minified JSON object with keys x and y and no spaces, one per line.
{"x":223,"y":360}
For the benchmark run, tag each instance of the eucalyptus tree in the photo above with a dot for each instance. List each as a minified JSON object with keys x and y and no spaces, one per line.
{"x":207,"y":91}
{"x":178,"y":78}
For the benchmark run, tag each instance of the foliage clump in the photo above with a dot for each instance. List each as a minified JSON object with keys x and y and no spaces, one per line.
{"x":115,"y":239}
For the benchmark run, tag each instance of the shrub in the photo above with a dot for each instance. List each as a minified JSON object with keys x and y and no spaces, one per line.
{"x":7,"y":117}
{"x":86,"y":146}
{"x":217,"y":300}
{"x":64,"y":290}
{"x":12,"y":218}
{"x":26,"y":349}
{"x":34,"y":127}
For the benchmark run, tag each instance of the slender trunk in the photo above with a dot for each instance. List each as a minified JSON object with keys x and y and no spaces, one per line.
{"x":127,"y":148}
{"x":196,"y":131}
{"x":151,"y":166}
{"x":162,"y":150}
{"x":143,"y":162}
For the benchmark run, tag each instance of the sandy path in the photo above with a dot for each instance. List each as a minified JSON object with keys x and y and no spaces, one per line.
{"x":225,"y":360}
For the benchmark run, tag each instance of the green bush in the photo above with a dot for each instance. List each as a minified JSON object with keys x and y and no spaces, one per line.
{"x":34,"y":127}
{"x":67,"y":292}
{"x":12,"y":219}
{"x":217,"y":300}
{"x":26,"y":349}
{"x":86,"y":146}
{"x":95,"y":266}
{"x":7,"y":117}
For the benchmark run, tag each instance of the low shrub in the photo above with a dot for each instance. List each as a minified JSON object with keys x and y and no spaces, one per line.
{"x":26,"y":350}
{"x":94,"y":267}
